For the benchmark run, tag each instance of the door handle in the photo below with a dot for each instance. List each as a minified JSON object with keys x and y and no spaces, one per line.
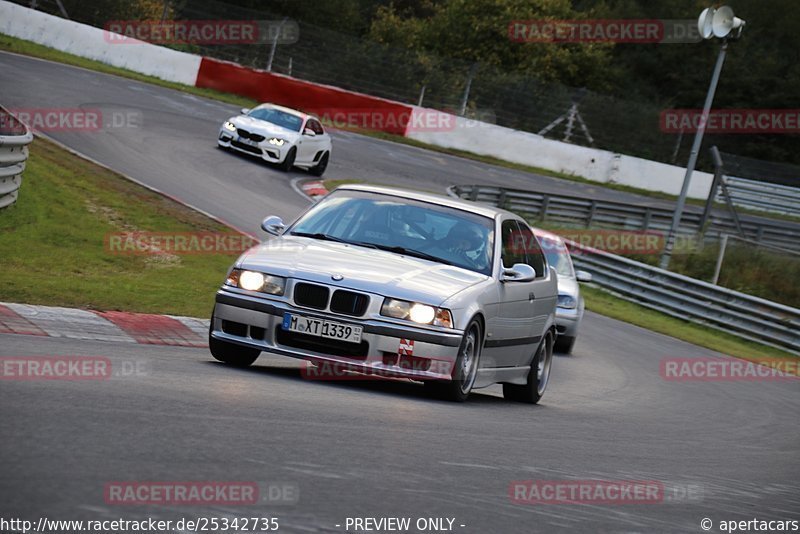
{"x":531,"y":296}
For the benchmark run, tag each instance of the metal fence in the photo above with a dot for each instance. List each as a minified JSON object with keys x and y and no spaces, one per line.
{"x":689,"y":299}
{"x":591,"y":212}
{"x":762,"y":196}
{"x":14,"y":141}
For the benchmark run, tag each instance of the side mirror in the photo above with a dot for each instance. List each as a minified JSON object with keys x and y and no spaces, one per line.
{"x":309,"y":132}
{"x":583,"y":276}
{"x":273,"y":225}
{"x":520,"y":272}
{"x":244,"y":111}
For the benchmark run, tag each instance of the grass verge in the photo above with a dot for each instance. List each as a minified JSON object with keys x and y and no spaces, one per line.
{"x":54,"y":242}
{"x":604,"y":303}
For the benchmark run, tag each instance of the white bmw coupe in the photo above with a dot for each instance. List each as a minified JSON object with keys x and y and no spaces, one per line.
{"x":278,"y":135}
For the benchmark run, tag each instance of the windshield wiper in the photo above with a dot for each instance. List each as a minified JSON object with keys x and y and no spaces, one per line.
{"x":411,"y":252}
{"x":320,"y":235}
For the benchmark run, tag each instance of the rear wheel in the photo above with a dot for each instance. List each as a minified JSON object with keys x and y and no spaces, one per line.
{"x":319,"y":169}
{"x":288,"y":162}
{"x":465,"y":369}
{"x":564,"y":344}
{"x":538,"y":376}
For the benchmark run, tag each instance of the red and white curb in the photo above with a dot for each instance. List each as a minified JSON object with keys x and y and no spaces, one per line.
{"x":314,"y":189}
{"x":118,"y":327}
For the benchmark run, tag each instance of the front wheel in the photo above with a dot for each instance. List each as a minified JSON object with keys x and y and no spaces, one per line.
{"x":538,"y":376}
{"x":564,"y":344}
{"x":288,"y":161}
{"x":319,"y":169}
{"x":465,"y":369}
{"x":231,"y":353}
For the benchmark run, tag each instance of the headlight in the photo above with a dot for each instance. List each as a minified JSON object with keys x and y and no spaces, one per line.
{"x":566,"y":301}
{"x":277,"y":141}
{"x":419,"y":313}
{"x":229,"y":126}
{"x":255,"y":281}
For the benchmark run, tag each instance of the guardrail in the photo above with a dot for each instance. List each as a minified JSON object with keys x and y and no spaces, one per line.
{"x":14,"y":141}
{"x":762,"y":196}
{"x":689,"y":299}
{"x":677,"y":295}
{"x":570,"y":210}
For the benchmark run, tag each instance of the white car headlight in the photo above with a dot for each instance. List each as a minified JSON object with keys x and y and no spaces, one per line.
{"x":277,"y":141}
{"x":255,"y":281}
{"x":567,"y":302}
{"x":229,"y":126}
{"x":417,"y":312}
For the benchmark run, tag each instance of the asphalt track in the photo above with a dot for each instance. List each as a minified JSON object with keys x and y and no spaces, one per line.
{"x":367,"y":448}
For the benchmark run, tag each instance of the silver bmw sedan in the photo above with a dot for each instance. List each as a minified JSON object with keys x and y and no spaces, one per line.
{"x":387,"y":282}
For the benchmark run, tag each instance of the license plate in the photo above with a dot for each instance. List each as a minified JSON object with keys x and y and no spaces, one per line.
{"x":321,"y":328}
{"x":247,"y":141}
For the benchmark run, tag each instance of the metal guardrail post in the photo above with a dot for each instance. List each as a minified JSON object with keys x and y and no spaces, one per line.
{"x":14,"y":140}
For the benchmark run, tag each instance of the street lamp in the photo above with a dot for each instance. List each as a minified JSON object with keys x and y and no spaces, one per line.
{"x":723,"y":24}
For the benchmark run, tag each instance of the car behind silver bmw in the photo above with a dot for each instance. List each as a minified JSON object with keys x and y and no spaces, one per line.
{"x":397,"y":283}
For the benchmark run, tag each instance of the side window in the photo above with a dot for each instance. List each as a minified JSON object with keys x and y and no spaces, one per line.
{"x":533,"y":251}
{"x":315,"y":126}
{"x":512,"y":248}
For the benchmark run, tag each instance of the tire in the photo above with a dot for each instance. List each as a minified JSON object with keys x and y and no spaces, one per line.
{"x":319,"y":169}
{"x":564,"y":344}
{"x":538,"y":375}
{"x":231,"y":353}
{"x":288,"y":161}
{"x":466,"y":368}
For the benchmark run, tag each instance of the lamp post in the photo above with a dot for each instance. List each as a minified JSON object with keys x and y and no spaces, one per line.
{"x":717,"y":23}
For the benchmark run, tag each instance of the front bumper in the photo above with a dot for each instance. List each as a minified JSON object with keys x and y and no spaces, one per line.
{"x":263,"y":150}
{"x":433,"y":358}
{"x":567,"y":321}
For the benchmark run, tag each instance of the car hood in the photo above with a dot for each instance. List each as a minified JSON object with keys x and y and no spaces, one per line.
{"x":267,"y":129}
{"x":365,"y":269}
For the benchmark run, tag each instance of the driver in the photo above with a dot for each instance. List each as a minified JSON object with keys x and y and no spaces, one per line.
{"x":464,"y":241}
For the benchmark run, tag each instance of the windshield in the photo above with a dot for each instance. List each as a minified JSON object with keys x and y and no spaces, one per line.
{"x":413,"y":228}
{"x":276,"y":116}
{"x":557,"y":255}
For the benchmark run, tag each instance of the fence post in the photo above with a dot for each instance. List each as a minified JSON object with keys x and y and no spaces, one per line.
{"x":722,"y":246}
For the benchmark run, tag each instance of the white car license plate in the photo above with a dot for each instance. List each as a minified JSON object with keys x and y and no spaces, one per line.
{"x":321,"y":328}
{"x":247,"y":141}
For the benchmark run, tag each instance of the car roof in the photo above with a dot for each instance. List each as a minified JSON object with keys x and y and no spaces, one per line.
{"x":285,"y":110}
{"x":442,"y":200}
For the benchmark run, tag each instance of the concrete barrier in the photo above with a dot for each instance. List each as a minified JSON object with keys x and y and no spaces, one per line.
{"x":531,"y":149}
{"x":94,"y":43}
{"x":346,"y":108}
